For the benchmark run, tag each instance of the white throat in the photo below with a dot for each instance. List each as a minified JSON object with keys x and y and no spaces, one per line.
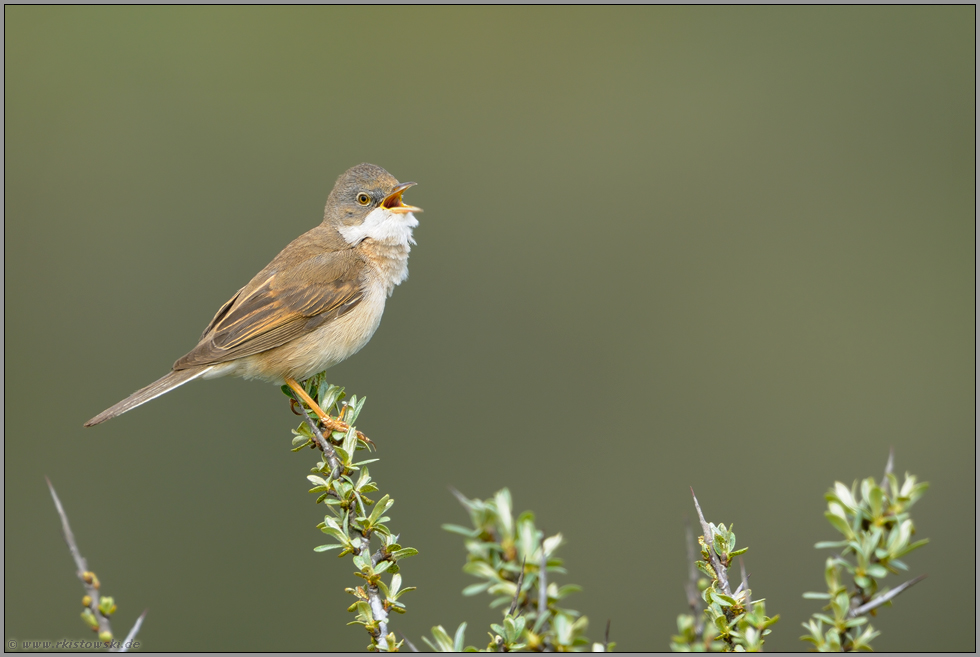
{"x":384,"y":226}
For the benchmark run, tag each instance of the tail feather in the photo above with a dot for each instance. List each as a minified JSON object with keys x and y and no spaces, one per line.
{"x":152,"y":391}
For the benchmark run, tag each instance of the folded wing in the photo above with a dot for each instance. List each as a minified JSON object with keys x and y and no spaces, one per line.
{"x":276,"y":307}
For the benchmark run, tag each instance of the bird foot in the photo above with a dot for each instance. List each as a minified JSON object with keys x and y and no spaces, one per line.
{"x":329,"y":423}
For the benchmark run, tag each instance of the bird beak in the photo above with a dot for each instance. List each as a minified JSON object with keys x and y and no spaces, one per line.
{"x":393,"y":202}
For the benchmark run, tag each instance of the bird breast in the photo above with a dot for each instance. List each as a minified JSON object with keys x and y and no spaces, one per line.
{"x":385,"y":239}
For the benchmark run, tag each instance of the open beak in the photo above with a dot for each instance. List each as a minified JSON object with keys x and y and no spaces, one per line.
{"x":393,"y":202}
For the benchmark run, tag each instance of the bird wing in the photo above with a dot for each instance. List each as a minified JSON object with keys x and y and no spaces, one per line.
{"x":278,"y":306}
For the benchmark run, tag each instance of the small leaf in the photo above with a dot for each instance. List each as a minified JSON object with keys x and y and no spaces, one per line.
{"x":474,"y":589}
{"x":404,"y":552}
{"x":459,"y":639}
{"x":379,"y":508}
{"x":877,"y":570}
{"x":324,"y":548}
{"x":464,"y":531}
{"x":567,"y":590}
{"x":839,"y":523}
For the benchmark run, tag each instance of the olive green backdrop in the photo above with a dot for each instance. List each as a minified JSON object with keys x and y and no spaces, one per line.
{"x":662,"y":247}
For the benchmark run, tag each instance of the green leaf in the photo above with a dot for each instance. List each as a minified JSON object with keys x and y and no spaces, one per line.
{"x":404,"y":552}
{"x":318,"y":481}
{"x":505,"y":517}
{"x":458,"y":639}
{"x":324,"y":548}
{"x":913,"y":546}
{"x":354,"y":409}
{"x":336,"y":533}
{"x":474,"y":589}
{"x":567,"y":590}
{"x":830,"y":544}
{"x":719,"y":544}
{"x":844,"y":496}
{"x":380,"y":507}
{"x":877,"y":570}
{"x":725,"y":600}
{"x":442,"y":641}
{"x":464,"y":531}
{"x":840,"y":524}
{"x":349,"y":443}
{"x":482,"y":570}
{"x":875,"y":499}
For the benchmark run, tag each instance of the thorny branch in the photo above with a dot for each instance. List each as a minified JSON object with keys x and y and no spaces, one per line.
{"x":88,"y":578}
{"x":132,"y":633}
{"x":336,"y":468}
{"x":876,"y":602}
{"x":374,"y":594}
{"x":709,"y":538}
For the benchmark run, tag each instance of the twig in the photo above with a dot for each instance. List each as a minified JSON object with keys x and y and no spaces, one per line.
{"x":605,"y":642}
{"x":89,"y":581}
{"x":517,"y":593}
{"x":409,"y":642}
{"x":374,"y":594}
{"x":744,"y":586}
{"x":336,"y":468}
{"x":888,"y":467}
{"x":460,"y":497}
{"x":885,"y":597}
{"x":127,"y":642}
{"x":543,"y":584}
{"x":709,"y":538}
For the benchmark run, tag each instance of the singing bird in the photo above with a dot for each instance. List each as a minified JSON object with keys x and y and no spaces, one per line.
{"x":316,"y":304}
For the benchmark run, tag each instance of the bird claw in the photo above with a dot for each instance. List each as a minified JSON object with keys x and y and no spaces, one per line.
{"x":331,"y":424}
{"x":367,"y":441}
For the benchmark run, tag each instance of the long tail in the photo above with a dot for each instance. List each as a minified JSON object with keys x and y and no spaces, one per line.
{"x":152,"y":391}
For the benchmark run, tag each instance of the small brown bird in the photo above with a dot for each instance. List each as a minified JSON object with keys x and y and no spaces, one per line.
{"x":317,"y":303}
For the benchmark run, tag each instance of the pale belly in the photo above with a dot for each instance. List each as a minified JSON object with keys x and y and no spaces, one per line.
{"x":303,"y":357}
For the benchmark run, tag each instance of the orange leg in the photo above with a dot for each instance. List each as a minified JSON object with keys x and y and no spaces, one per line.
{"x":330,"y":423}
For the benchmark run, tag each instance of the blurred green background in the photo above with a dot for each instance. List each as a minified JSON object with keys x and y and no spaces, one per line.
{"x":724,"y":247}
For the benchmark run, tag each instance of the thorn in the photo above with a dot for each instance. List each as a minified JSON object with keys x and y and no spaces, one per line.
{"x":885,"y":597}
{"x":409,"y":642}
{"x":459,"y":496}
{"x":517,"y":593}
{"x":888,"y":466}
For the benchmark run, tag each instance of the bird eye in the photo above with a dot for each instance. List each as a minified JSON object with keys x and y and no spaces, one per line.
{"x":363,"y":198}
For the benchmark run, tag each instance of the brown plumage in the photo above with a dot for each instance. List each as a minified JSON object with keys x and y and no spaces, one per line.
{"x":318,"y":302}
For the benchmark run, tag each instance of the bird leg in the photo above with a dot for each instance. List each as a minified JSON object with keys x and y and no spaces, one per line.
{"x":330,"y":423}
